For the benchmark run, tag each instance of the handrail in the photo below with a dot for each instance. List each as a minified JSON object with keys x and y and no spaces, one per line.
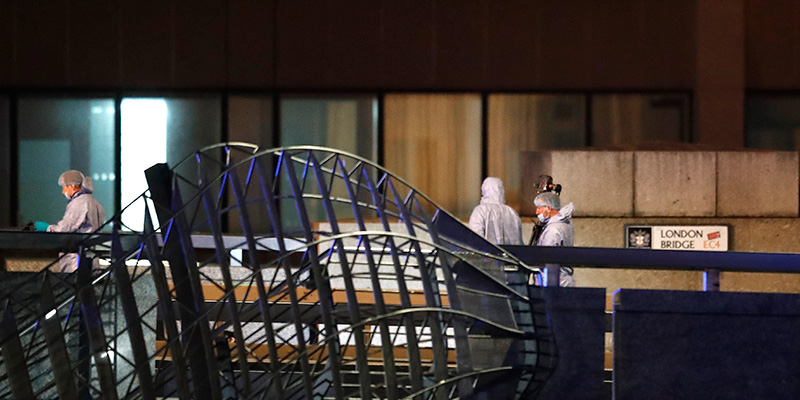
{"x":422,"y":254}
{"x":681,"y":260}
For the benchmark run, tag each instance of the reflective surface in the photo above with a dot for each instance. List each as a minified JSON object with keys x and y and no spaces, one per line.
{"x":434,"y":141}
{"x":773,"y":122}
{"x":521,"y":122}
{"x":56,"y":135}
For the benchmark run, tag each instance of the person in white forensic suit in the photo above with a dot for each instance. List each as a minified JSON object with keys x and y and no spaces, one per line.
{"x":558,"y":229}
{"x":493,"y":219}
{"x":84,"y":214}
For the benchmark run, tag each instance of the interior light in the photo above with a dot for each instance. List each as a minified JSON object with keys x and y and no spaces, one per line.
{"x":144,"y":138}
{"x":50,"y":314}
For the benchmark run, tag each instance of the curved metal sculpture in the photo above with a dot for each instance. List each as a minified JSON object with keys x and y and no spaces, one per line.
{"x":289,"y":273}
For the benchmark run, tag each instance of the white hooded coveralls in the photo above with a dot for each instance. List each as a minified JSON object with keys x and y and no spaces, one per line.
{"x":84,"y":214}
{"x":493,"y":219}
{"x":559,"y":232}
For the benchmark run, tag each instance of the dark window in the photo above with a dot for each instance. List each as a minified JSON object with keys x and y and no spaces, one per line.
{"x":773,"y":123}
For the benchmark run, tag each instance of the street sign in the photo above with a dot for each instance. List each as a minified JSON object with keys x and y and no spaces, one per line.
{"x":677,"y":237}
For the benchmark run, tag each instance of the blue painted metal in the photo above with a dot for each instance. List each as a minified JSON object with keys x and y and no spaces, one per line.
{"x":657,"y":259}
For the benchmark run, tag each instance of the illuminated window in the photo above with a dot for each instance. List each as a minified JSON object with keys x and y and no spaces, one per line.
{"x":530,"y":122}
{"x":344,"y":123}
{"x":625,"y":120}
{"x":434,"y":142}
{"x":56,"y":135}
{"x":157,"y":130}
{"x":144,"y":143}
{"x":347,"y":123}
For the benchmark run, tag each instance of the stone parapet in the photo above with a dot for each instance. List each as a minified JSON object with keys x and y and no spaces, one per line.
{"x":600,"y":183}
{"x":668,"y":183}
{"x":674,"y":183}
{"x":757,"y":183}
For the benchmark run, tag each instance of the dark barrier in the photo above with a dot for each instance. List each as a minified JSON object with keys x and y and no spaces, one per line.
{"x":706,"y":345}
{"x":578,"y":321}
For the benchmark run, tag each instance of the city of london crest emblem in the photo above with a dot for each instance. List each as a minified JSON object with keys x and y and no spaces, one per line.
{"x":639,"y":238}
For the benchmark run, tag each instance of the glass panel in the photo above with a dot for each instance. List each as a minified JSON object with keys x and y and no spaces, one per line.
{"x":56,"y":135}
{"x":192,"y":123}
{"x":250,"y":120}
{"x":5,"y":164}
{"x":519,"y":123}
{"x":773,"y":123}
{"x":158,"y":130}
{"x":622,"y":120}
{"x":344,"y":123}
{"x":347,"y":123}
{"x":434,"y":142}
{"x":144,"y":143}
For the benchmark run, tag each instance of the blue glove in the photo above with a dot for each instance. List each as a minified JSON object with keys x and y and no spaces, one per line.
{"x":40,"y":226}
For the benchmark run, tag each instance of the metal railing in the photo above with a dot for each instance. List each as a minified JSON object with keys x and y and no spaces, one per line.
{"x":305,"y":313}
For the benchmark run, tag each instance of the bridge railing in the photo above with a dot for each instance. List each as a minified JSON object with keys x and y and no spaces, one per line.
{"x":166,"y":318}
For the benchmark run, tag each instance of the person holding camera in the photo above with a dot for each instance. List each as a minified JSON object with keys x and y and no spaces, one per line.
{"x":543,"y":184}
{"x":558,"y":229}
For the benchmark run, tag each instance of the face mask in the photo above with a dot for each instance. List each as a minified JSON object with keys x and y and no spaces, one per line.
{"x":67,"y":196}
{"x":542,"y":218}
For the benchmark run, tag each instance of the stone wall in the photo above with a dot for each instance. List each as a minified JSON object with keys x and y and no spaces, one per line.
{"x":669,"y":183}
{"x":755,"y":193}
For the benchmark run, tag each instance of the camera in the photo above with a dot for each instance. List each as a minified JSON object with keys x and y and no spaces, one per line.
{"x":545,"y":184}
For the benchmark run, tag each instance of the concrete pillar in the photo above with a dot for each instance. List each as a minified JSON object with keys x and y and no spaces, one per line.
{"x":719,"y":90}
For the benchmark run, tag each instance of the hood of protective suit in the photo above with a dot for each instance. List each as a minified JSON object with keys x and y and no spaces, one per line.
{"x":492,"y":191}
{"x":559,"y":230}
{"x":493,"y":219}
{"x":564,"y":215}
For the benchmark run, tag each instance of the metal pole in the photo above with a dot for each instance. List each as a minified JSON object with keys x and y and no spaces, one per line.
{"x":711,"y":280}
